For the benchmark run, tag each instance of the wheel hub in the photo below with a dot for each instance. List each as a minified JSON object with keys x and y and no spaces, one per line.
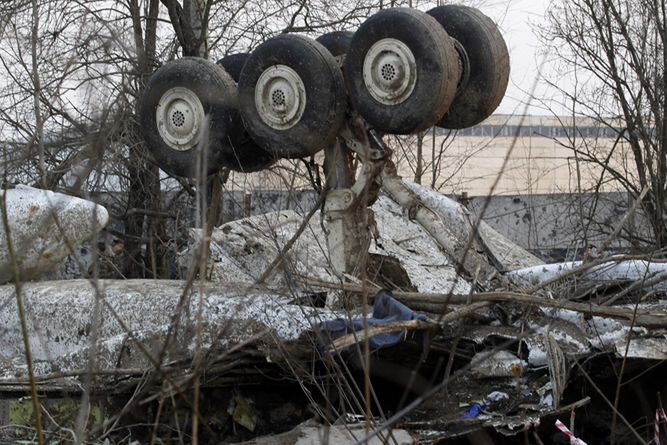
{"x":390,"y":71}
{"x":280,"y":97}
{"x":179,"y":116}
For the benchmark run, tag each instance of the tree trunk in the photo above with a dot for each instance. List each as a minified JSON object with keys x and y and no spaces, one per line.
{"x":143,"y":259}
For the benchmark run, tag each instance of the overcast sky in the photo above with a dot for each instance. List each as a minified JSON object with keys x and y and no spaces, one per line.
{"x":518,"y":20}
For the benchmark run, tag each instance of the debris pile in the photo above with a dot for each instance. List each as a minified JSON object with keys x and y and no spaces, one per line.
{"x":445,"y":346}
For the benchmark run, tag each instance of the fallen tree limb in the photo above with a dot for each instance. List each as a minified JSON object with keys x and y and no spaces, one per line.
{"x":359,"y":336}
{"x":463,"y":312}
{"x":641,"y":318}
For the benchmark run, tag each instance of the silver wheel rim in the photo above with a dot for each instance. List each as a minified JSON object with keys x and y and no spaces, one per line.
{"x":390,"y":71}
{"x":179,"y":116}
{"x":280,"y":97}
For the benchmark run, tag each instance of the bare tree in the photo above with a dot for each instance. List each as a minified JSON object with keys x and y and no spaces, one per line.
{"x":74,"y":74}
{"x":615,"y":54}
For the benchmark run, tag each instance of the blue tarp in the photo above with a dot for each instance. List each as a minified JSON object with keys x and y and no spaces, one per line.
{"x":386,"y":309}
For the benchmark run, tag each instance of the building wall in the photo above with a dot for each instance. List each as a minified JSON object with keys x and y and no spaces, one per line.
{"x":541,"y":187}
{"x":540,"y":159}
{"x":558,"y":227}
{"x":506,"y":155}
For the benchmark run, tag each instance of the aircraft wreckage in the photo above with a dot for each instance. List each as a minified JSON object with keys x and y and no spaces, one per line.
{"x":462,"y":328}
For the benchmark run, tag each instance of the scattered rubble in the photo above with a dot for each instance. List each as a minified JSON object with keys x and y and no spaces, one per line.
{"x":311,"y":433}
{"x":245,"y":248}
{"x":458,"y":354}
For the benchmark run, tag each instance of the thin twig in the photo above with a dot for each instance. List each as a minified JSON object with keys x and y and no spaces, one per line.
{"x":619,"y":382}
{"x":607,"y":242}
{"x":283,"y":253}
{"x":611,"y":405}
{"x":18,"y":286}
{"x":643,"y":318}
{"x":362,"y":335}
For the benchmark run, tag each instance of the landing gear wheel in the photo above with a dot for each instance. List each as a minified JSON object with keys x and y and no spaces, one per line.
{"x":292,"y":96}
{"x":401,"y":71}
{"x":488,"y":64}
{"x":188,"y":105}
{"x":247,"y":156}
{"x":233,"y":64}
{"x":337,"y":42}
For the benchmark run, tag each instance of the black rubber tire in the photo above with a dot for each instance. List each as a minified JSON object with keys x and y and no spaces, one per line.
{"x":337,"y":42}
{"x":489,"y":64}
{"x":233,"y":64}
{"x":217,"y":93}
{"x":248,"y":156}
{"x":324,"y":109}
{"x":437,"y":68}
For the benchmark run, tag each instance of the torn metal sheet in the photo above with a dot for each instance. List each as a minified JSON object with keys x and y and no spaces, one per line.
{"x":653,"y":348}
{"x":310,"y":433}
{"x":570,"y":336}
{"x":497,"y":364}
{"x":472,"y":263}
{"x":243,"y":250}
{"x":125,"y":323}
{"x":654,"y":274}
{"x":44,"y":227}
{"x":428,"y":267}
{"x":578,"y":335}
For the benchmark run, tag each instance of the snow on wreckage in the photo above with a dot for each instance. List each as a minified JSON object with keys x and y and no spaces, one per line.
{"x":137,"y":315}
{"x":284,"y":294}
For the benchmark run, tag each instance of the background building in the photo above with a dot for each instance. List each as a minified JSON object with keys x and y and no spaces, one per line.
{"x":539,"y":151}
{"x":550,"y":194}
